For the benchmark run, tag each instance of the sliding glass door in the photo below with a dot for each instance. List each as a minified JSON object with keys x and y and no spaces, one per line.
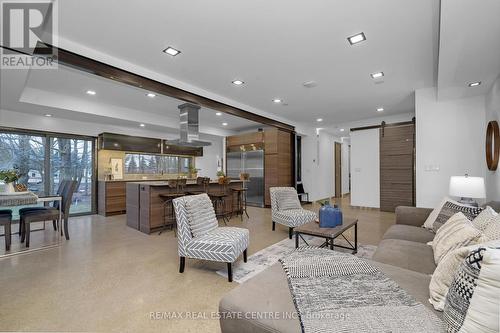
{"x":45,"y":159}
{"x":72,"y":158}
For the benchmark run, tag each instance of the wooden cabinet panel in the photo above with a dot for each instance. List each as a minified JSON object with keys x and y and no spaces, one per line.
{"x":245,"y":139}
{"x":112,"y":198}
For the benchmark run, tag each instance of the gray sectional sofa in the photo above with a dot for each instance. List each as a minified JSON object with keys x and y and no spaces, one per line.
{"x":402,"y":255}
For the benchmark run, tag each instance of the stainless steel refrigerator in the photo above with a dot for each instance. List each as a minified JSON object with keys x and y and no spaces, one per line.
{"x":251,"y":162}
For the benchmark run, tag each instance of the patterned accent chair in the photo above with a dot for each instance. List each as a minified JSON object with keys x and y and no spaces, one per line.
{"x":286,"y":209}
{"x":222,"y":244}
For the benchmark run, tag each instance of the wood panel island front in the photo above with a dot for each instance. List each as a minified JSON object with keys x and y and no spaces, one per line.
{"x":145,"y":208}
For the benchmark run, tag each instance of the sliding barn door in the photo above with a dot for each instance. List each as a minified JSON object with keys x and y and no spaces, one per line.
{"x":397,"y":160}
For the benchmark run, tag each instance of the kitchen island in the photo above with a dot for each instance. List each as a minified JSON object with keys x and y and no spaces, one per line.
{"x":145,"y":208}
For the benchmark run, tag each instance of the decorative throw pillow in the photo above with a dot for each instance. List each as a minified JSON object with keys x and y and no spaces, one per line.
{"x":487,"y":216}
{"x":449,"y":209}
{"x":435,"y":212}
{"x":492,"y":231}
{"x":457,"y":232}
{"x":200,"y":214}
{"x":445,"y":271}
{"x":473,"y":302}
{"x":288,"y":199}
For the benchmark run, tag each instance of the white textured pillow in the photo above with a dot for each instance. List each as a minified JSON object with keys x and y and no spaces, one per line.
{"x":483,"y":220}
{"x":200,"y":214}
{"x":457,"y":232}
{"x":443,"y":275}
{"x":429,"y":222}
{"x":492,"y":231}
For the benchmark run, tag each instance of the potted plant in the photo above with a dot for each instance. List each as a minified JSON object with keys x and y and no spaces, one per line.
{"x":221,"y":176}
{"x":9,"y":177}
{"x":193,"y":172}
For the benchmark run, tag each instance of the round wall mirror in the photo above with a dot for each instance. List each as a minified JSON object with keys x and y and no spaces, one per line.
{"x":492,"y":145}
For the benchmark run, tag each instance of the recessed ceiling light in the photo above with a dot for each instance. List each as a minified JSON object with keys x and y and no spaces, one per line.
{"x":218,"y":113}
{"x":48,"y":115}
{"x":474,"y":84}
{"x":91,"y":92}
{"x":151,"y":95}
{"x":277,"y":100}
{"x":342,"y":129}
{"x":380,"y":109}
{"x":238,"y":82}
{"x":319,"y":120}
{"x":142,"y":125}
{"x":377,"y":75}
{"x":224,"y":124}
{"x":356,"y":38}
{"x":171,"y":51}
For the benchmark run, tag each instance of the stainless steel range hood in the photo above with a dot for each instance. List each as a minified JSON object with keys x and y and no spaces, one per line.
{"x":189,"y":127}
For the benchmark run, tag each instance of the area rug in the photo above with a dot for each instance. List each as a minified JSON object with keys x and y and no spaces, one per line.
{"x":269,"y":256}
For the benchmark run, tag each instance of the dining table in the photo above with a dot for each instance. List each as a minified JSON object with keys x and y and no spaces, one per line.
{"x":28,"y":198}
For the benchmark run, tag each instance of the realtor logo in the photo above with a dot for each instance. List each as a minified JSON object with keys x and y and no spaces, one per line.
{"x":24,"y":25}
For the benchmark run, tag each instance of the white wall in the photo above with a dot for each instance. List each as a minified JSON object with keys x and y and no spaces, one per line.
{"x":449,"y":142}
{"x":493,"y":113}
{"x":207,"y":163}
{"x":345,"y":166}
{"x":365,"y":168}
{"x":318,"y":173}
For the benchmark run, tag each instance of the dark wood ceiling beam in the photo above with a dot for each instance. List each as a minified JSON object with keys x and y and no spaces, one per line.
{"x":95,"y":67}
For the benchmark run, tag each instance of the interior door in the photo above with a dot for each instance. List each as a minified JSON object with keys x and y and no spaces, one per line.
{"x":397,"y":160}
{"x":338,"y":170}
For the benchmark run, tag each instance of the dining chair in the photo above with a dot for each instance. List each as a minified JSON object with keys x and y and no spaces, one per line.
{"x":5,"y":221}
{"x":59,"y":191}
{"x":50,"y":213}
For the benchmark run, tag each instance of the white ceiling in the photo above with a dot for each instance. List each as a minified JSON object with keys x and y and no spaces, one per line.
{"x":469,"y":47}
{"x":273,"y":46}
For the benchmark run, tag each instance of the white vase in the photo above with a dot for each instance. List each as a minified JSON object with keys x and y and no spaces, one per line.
{"x":9,"y":188}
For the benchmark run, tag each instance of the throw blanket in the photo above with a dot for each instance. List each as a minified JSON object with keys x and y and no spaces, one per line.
{"x":337,"y":292}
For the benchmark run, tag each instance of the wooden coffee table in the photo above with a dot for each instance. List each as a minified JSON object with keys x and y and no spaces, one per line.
{"x":329,"y":234}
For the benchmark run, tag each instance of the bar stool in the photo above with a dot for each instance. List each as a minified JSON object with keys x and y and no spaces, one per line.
{"x":5,"y":221}
{"x":202,"y":182}
{"x":169,"y":219}
{"x":219,"y":200}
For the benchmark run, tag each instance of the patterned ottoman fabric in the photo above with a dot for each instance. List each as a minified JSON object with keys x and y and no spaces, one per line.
{"x":222,"y":244}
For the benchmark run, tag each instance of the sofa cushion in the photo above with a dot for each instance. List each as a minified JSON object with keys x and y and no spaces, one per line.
{"x":414,"y":256}
{"x":492,"y":231}
{"x":483,"y":220}
{"x":288,"y":199}
{"x":449,"y":209}
{"x":472,"y":302}
{"x":268,"y":292}
{"x":457,"y":232}
{"x":429,"y":222}
{"x":221,"y":244}
{"x":410,"y":233}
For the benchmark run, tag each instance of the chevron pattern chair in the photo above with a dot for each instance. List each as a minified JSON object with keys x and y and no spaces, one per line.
{"x":286,"y":209}
{"x":222,"y":244}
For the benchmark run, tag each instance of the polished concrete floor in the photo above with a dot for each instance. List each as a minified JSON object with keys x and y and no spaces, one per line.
{"x":109,"y":277}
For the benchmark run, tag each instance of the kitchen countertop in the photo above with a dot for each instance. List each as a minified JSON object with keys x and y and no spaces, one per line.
{"x":165,"y":183}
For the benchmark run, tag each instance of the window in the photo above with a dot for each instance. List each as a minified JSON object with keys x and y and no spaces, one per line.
{"x":157,"y":164}
{"x":44,"y":159}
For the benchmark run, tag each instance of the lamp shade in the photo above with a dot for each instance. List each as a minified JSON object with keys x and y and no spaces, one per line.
{"x":467,"y":187}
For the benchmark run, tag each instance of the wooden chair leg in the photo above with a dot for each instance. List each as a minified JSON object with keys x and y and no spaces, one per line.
{"x":182,"y":264}
{"x":229,"y":272}
{"x":22,"y":228}
{"x":290,"y":232}
{"x":26,"y":228}
{"x":66,"y":231}
{"x":274,"y":225}
{"x":7,"y":236}
{"x":245,"y":255}
{"x":54,"y":224}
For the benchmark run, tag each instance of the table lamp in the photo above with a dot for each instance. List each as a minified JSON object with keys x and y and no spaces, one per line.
{"x":467,"y":189}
